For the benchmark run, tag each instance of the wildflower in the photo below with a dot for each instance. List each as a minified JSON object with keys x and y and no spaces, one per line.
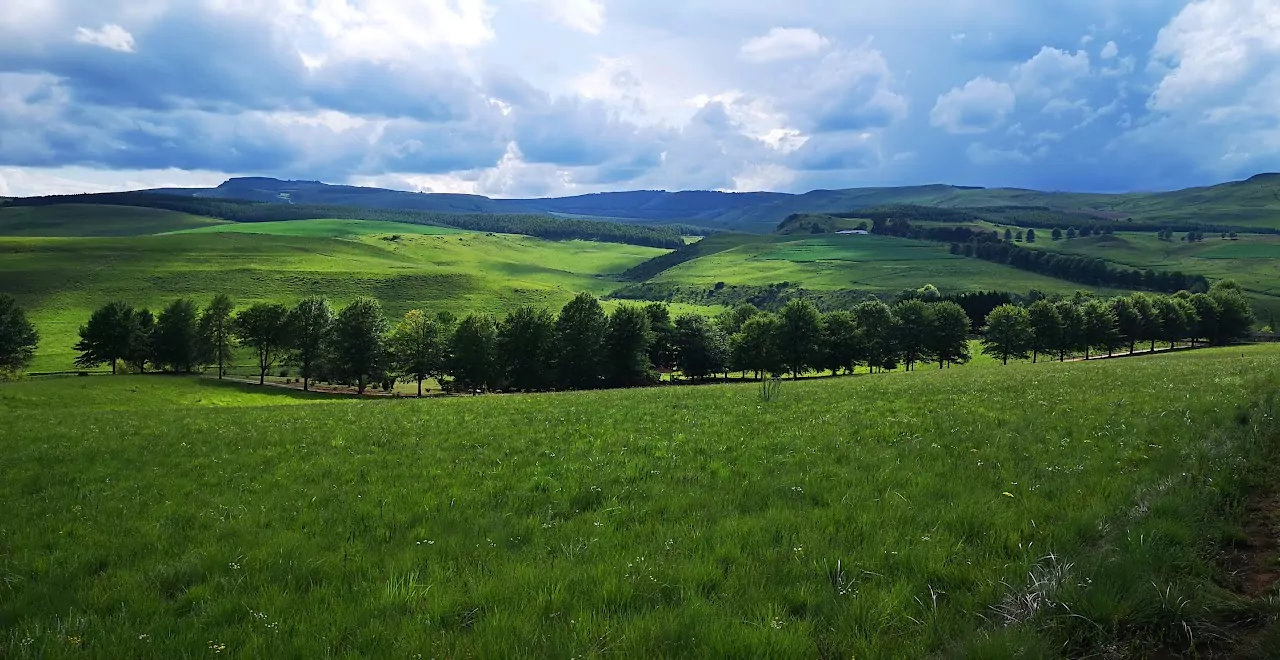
{"x":1007,"y":494}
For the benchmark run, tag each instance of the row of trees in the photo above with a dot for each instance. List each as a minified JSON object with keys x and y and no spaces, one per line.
{"x":529,"y":349}
{"x":1081,"y":325}
{"x":583,"y":347}
{"x":1081,"y":269}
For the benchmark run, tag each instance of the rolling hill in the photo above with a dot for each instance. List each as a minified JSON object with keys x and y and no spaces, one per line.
{"x":1251,"y":203}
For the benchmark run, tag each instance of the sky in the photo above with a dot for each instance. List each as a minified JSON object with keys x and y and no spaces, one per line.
{"x":524,"y":98}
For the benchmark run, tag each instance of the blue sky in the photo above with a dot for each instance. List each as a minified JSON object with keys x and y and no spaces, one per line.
{"x":552,"y":97}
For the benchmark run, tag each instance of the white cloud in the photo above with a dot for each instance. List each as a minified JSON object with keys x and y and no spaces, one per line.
{"x":1213,"y":45}
{"x":783,"y":44}
{"x":582,"y":15}
{"x":382,"y":30}
{"x":981,"y":154}
{"x":1109,"y":51}
{"x":109,"y":36}
{"x":31,"y":181}
{"x":1050,"y":72}
{"x":980,"y":106}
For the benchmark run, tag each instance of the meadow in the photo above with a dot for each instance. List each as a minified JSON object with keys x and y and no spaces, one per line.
{"x":62,"y":280}
{"x":1253,"y":260}
{"x":986,"y":512}
{"x":882,"y":264}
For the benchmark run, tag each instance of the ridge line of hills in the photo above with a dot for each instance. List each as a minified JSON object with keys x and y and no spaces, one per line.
{"x":1254,"y":202}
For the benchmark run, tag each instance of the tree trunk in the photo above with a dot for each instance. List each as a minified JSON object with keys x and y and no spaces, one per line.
{"x":262,"y":377}
{"x":113,"y":367}
{"x":419,"y":388}
{"x":1086,"y":352}
{"x":1153,"y":346}
{"x":941,"y":363}
{"x":1034,"y":356}
{"x":360,"y":384}
{"x":1006,"y":359}
{"x":306,"y":383}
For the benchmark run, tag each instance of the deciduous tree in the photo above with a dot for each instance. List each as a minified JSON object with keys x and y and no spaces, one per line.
{"x":216,"y":330}
{"x":799,"y":336}
{"x":105,"y":338}
{"x":526,"y":348}
{"x":264,"y":327}
{"x":473,"y":358}
{"x":947,"y":336}
{"x":176,"y":339}
{"x":626,"y":347}
{"x":18,"y":337}
{"x":1008,"y":333}
{"x":1046,"y":328}
{"x":310,"y":327}
{"x":580,"y":331}
{"x":358,"y":343}
{"x":701,"y":349}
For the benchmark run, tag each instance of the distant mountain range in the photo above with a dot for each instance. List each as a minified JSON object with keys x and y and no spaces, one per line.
{"x":1253,"y":202}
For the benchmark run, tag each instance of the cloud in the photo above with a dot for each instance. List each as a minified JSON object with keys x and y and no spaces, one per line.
{"x":110,"y":36}
{"x":1215,"y":46}
{"x":849,"y":90}
{"x":1050,"y":72}
{"x":582,"y":15}
{"x":1109,"y":51}
{"x":980,"y":106}
{"x":783,"y":44}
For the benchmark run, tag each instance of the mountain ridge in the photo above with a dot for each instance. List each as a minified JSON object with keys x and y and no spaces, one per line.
{"x":1255,"y":200}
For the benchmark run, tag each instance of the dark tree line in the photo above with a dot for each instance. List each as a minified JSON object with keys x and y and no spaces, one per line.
{"x":541,"y":226}
{"x":1041,"y":217}
{"x":1084,"y":325}
{"x":529,"y":349}
{"x":18,"y":338}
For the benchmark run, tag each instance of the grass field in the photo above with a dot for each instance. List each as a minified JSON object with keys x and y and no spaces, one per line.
{"x":985,"y":512}
{"x":61,"y":280}
{"x":1253,"y":260}
{"x":872,"y":263}
{"x":92,"y":220}
{"x":324,"y":228}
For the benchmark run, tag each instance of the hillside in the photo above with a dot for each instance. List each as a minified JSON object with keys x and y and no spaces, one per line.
{"x":1251,"y":203}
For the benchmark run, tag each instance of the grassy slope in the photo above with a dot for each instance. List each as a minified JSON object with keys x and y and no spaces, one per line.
{"x":323,"y":228}
{"x":62,"y":280}
{"x":93,"y":220}
{"x":872,"y":517}
{"x":1255,"y":202}
{"x":1252,"y":260}
{"x":875,"y":263}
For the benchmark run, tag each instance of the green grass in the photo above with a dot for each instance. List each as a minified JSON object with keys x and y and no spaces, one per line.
{"x":1253,"y":260}
{"x":94,"y":220}
{"x":61,"y":280}
{"x":870,"y":517}
{"x":872,"y":263}
{"x":325,"y":228}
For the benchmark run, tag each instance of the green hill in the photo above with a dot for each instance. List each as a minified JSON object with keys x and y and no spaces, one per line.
{"x":96,"y":220}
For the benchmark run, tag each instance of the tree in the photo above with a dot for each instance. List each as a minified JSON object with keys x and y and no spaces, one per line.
{"x":912,"y":331}
{"x":755,"y":347}
{"x":1008,"y":235}
{"x":526,"y":348}
{"x":1019,"y":235}
{"x":1031,"y":236}
{"x":1046,"y":328}
{"x":105,"y":338}
{"x":1235,"y":319}
{"x":876,"y":324}
{"x":947,"y":333}
{"x":358,"y":343}
{"x":730,"y":322}
{"x":141,"y":340}
{"x":1207,"y":311}
{"x":839,"y":346}
{"x":1149,"y":318}
{"x":1057,"y":234}
{"x":1128,"y":321}
{"x":417,"y":348}
{"x":580,"y":331}
{"x":1008,"y":333}
{"x":1072,"y":336}
{"x":1071,"y":233}
{"x":216,"y":329}
{"x":265,"y":328}
{"x":928,"y":293}
{"x":18,"y":337}
{"x":799,"y":336}
{"x":661,"y":353}
{"x":701,"y":349}
{"x":310,"y":325}
{"x":473,"y":356}
{"x":1174,"y":322}
{"x":177,"y":343}
{"x":626,"y":347}
{"x":1100,"y":325}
